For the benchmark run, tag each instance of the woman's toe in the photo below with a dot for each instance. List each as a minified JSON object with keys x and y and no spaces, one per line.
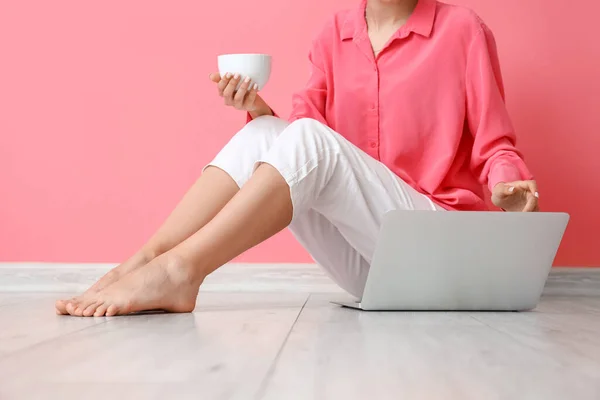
{"x":82,"y":305}
{"x":71,"y":306}
{"x":61,"y":307}
{"x":112,"y":310}
{"x":101,"y":310}
{"x":91,"y":309}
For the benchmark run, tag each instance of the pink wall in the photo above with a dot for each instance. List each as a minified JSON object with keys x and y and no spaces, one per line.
{"x":107,"y":115}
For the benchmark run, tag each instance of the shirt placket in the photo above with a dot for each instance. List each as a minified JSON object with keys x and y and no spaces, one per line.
{"x":373,"y":113}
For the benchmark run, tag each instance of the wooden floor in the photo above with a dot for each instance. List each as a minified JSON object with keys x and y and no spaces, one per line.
{"x":279,"y":343}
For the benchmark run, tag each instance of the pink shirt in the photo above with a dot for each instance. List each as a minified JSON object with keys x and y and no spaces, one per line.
{"x":430,"y":106}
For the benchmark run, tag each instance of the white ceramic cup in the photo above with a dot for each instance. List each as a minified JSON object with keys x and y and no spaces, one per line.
{"x":255,"y":66}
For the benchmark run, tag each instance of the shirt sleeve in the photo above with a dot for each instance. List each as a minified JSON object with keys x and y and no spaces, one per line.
{"x":310,"y":102}
{"x":495,"y":157}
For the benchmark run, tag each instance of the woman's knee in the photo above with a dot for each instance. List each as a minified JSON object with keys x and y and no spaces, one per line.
{"x":249,"y":145}
{"x":255,"y":138}
{"x":265,"y":126}
{"x":307,"y":133}
{"x":305,"y":144}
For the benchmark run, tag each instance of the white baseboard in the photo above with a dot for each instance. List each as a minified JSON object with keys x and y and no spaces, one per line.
{"x":301,"y":278}
{"x":63,"y":277}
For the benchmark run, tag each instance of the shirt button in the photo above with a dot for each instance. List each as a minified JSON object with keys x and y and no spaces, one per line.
{"x":373,"y":145}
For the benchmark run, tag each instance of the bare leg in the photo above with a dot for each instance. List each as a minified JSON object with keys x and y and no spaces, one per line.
{"x":200,"y":204}
{"x":211,"y":192}
{"x":171,"y":281}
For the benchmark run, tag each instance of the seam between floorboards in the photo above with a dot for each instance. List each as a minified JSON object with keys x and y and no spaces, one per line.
{"x":504,"y":333}
{"x":265,"y":382}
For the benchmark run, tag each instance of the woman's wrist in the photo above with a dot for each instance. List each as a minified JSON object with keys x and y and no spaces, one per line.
{"x":262,"y":109}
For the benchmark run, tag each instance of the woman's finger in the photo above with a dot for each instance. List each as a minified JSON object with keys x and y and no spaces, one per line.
{"x":533,"y":188}
{"x":240,"y":95}
{"x":223,"y":83}
{"x":215,"y":77}
{"x":251,"y":98}
{"x":531,"y":203}
{"x":520,"y":187}
{"x":526,"y":187}
{"x":229,"y":91}
{"x":509,"y":189}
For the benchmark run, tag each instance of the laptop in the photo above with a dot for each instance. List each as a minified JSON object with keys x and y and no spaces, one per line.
{"x":461,"y":261}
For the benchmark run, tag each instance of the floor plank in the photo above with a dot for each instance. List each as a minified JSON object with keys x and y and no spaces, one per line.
{"x":104,"y":391}
{"x":570,"y":304}
{"x":29,"y":319}
{"x":221,"y":351}
{"x":569,"y":339}
{"x":334,"y":353}
{"x":10,"y":298}
{"x":124,"y":391}
{"x":262,"y":342}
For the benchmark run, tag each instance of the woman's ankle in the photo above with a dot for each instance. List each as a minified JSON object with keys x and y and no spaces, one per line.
{"x":146,"y":254}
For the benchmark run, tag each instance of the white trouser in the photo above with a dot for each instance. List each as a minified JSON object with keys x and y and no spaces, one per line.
{"x":339,"y":193}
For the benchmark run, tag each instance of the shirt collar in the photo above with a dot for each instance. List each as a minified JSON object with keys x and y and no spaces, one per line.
{"x":420,"y":21}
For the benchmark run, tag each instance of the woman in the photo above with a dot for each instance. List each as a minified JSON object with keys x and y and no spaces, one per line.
{"x":404,"y":110}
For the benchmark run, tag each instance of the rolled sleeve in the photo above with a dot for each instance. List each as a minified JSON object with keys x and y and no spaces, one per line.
{"x":495,"y":157}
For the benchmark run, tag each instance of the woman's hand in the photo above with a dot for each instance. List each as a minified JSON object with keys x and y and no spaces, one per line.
{"x":246,"y":98}
{"x":516,"y":196}
{"x":242,"y":99}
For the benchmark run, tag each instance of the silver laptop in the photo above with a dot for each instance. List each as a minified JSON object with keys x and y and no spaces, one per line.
{"x":453,"y":261}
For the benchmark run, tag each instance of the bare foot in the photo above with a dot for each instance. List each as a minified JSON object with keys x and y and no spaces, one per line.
{"x":135,"y":262}
{"x":164,"y":284}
